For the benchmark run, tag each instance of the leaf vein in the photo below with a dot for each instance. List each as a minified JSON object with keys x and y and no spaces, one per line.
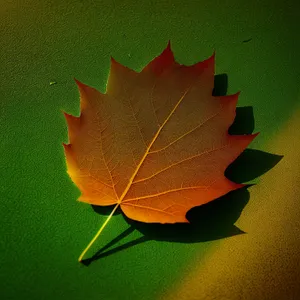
{"x":167,"y":192}
{"x":150,"y":145}
{"x":185,"y":134}
{"x":179,"y":162}
{"x":149,"y":208}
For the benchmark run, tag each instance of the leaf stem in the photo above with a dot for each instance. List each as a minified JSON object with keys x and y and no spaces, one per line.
{"x":97,"y":234}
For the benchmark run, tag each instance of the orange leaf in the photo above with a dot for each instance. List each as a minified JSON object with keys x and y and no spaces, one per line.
{"x":156,"y":143}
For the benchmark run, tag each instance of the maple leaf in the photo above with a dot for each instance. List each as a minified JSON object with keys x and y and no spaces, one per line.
{"x":156,"y":143}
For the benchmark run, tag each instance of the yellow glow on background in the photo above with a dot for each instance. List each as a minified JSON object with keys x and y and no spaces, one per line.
{"x":264,"y":263}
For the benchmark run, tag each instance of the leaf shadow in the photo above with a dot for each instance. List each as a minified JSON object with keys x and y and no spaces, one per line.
{"x":214,"y":220}
{"x":105,"y":210}
{"x":208,"y":222}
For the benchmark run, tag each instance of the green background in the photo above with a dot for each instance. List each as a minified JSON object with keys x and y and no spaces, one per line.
{"x":43,"y":227}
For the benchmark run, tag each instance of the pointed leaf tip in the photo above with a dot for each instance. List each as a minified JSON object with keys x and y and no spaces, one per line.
{"x":71,"y":120}
{"x":76,"y":81}
{"x":79,"y":84}
{"x":67,"y":117}
{"x":83,"y":88}
{"x":167,"y":52}
{"x":169,"y":45}
{"x":115,"y":65}
{"x":62,"y":111}
{"x":66,"y":114}
{"x":67,"y":147}
{"x":233,"y":97}
{"x":162,"y":62}
{"x":113,"y":61}
{"x":210,"y":61}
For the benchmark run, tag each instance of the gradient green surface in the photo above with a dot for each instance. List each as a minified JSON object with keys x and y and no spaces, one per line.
{"x":43,"y":228}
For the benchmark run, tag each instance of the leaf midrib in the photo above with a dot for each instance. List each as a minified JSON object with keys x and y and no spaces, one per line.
{"x":150,"y":145}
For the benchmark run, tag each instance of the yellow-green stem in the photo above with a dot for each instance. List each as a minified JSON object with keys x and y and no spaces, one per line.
{"x":97,"y":234}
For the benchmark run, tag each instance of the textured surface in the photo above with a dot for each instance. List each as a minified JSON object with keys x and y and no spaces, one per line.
{"x":43,"y":228}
